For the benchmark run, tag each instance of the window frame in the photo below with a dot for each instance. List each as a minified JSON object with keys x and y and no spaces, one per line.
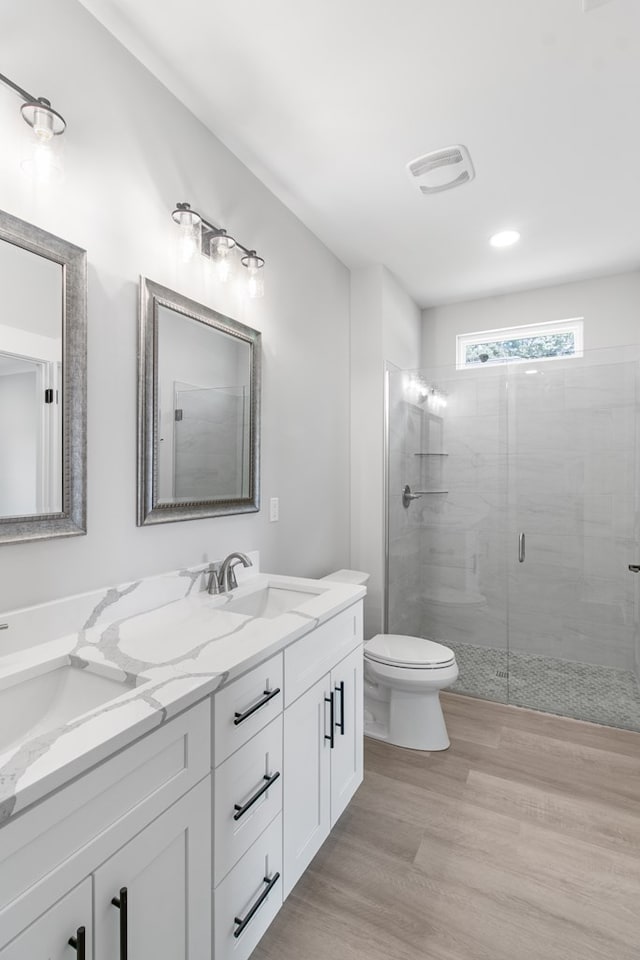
{"x":573,"y":325}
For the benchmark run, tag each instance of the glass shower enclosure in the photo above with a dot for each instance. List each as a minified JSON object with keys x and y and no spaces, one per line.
{"x":513,"y":528}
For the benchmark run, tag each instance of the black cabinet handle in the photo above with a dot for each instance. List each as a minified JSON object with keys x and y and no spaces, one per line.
{"x":242,"y":922}
{"x":122,"y":903}
{"x":340,"y":690}
{"x":241,"y":808}
{"x":332,"y":719}
{"x":268,"y":695}
{"x":79,"y":943}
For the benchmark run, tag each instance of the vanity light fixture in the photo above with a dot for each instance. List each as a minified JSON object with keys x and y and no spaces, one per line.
{"x":199,"y":235}
{"x":47,"y":124}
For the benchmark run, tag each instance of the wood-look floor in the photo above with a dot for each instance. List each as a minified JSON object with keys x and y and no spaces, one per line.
{"x":521,"y":842}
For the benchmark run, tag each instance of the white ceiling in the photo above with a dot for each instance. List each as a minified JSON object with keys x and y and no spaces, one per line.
{"x":327,"y":100}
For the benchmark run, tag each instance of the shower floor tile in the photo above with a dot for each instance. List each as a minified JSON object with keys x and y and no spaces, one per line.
{"x":580,"y":690}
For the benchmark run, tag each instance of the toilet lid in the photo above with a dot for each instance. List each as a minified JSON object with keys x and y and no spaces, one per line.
{"x":396,"y":650}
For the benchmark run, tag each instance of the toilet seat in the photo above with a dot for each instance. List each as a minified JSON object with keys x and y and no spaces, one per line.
{"x":416,"y":653}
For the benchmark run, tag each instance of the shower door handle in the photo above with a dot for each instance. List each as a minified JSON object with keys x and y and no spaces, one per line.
{"x":521,"y":548}
{"x":634,"y":567}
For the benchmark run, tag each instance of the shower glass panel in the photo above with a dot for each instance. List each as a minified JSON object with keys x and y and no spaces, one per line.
{"x":548,"y":450}
{"x":573,"y":629}
{"x":446,"y":563}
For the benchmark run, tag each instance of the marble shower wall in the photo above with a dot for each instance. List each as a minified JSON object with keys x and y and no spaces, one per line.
{"x":552,"y":454}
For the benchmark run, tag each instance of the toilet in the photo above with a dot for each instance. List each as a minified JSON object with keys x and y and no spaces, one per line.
{"x":403,"y":677}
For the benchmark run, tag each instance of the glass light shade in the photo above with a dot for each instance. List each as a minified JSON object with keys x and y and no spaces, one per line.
{"x":220,"y":249}
{"x":255,"y":275}
{"x":45,"y":122}
{"x":190,"y":225}
{"x":43,"y":152}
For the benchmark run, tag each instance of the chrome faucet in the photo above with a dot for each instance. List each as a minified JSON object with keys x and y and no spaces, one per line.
{"x":222,"y":577}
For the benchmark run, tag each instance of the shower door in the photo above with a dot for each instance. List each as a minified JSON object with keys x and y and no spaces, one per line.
{"x":573,"y":625}
{"x":446,"y":549}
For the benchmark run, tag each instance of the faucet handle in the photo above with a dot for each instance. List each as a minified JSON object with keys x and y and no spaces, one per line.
{"x":213,"y":581}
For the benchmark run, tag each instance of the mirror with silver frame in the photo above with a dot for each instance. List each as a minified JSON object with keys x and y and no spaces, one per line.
{"x":43,"y":354}
{"x":198,"y":410}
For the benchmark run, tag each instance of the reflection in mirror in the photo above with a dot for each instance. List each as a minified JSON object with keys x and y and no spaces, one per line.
{"x":199,"y":410}
{"x":43,"y":323}
{"x":203,"y":394}
{"x":30,"y":378}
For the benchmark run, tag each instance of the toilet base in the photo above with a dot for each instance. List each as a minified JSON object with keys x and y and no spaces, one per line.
{"x":416,"y":723}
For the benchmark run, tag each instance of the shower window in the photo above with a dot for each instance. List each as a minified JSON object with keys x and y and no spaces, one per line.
{"x":539,"y":341}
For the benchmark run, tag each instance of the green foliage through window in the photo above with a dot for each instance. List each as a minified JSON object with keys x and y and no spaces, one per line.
{"x":525,"y":348}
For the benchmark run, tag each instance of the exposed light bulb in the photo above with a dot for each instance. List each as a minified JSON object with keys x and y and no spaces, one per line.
{"x":43,"y":124}
{"x":220,"y":249}
{"x":506,"y":238}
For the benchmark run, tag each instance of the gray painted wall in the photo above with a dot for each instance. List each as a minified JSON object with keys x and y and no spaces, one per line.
{"x":131,"y":151}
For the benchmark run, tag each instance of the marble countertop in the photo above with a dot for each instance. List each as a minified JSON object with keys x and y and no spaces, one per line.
{"x":167,"y":658}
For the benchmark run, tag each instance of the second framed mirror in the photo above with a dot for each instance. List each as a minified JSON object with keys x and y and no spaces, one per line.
{"x":198,"y":410}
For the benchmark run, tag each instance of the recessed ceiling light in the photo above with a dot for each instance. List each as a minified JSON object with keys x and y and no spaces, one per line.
{"x":506,"y":238}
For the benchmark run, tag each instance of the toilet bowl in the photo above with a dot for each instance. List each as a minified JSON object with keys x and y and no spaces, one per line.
{"x":403,"y":679}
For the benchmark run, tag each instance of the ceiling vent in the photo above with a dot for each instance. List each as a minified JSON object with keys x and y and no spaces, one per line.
{"x":442,"y":169}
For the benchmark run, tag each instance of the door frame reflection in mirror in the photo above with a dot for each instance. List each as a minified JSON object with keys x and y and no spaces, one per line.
{"x":150,"y":509}
{"x":71,"y":520}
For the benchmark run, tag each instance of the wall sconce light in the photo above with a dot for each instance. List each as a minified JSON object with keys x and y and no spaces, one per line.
{"x":199,"y":236}
{"x":43,"y":159}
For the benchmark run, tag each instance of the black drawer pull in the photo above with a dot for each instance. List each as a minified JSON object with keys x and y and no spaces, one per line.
{"x":340,"y":690}
{"x":241,"y":808}
{"x":122,"y":903}
{"x":79,"y":943}
{"x":331,"y":700}
{"x":268,"y":695}
{"x":242,"y":923}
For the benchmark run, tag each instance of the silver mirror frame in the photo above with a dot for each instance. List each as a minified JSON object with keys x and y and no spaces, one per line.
{"x":152,"y":296}
{"x":72,"y":520}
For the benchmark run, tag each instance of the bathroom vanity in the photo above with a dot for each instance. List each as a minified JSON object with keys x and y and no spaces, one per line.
{"x":172,"y":819}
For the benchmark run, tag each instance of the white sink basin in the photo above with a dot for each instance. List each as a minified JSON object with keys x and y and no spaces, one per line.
{"x":269,"y":602}
{"x":32,"y":706}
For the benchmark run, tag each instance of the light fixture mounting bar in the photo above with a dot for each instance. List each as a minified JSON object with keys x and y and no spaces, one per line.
{"x":214,"y":231}
{"x":24,"y":94}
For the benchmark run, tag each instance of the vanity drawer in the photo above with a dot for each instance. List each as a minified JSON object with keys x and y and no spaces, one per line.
{"x":50,"y":847}
{"x":241,"y":896}
{"x":240,"y":779}
{"x":314,"y":655}
{"x":246,"y":706}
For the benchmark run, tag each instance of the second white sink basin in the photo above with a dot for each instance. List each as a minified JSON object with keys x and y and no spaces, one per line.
{"x":35,"y":705}
{"x":269,"y":602}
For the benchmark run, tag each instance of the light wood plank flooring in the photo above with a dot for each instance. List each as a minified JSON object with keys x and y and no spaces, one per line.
{"x":521,"y":842}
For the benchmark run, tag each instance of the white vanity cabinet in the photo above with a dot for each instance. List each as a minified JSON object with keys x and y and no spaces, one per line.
{"x":323,"y":750}
{"x":47,"y":938}
{"x":152,"y":895}
{"x":135,"y":829}
{"x":183,"y":845}
{"x":288,"y":741}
